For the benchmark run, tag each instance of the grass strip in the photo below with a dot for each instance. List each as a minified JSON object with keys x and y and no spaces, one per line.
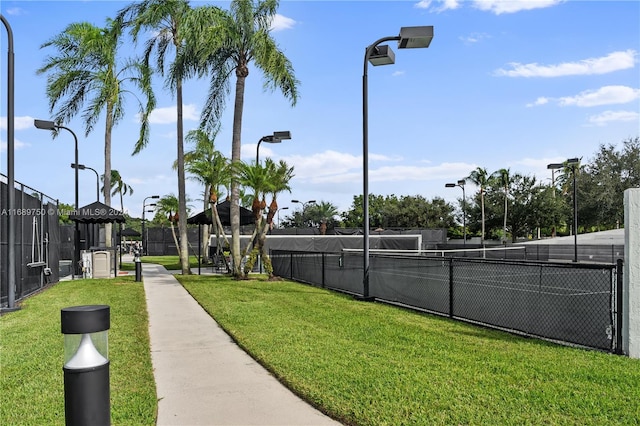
{"x":374,"y":364}
{"x":31,"y":354}
{"x":171,"y":263}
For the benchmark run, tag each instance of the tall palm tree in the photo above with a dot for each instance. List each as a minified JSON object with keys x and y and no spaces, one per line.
{"x":480,"y":178}
{"x":238,"y":38}
{"x":118,"y":186}
{"x":503,"y":178}
{"x":163,"y":20}
{"x":86,"y":76}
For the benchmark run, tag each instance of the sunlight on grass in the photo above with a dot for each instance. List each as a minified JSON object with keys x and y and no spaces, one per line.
{"x":373,"y":364}
{"x":31,"y":354}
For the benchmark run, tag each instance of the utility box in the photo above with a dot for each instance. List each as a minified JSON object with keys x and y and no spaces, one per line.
{"x":101,"y":264}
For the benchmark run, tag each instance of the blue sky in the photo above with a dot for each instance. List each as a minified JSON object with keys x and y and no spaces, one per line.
{"x":504,"y":84}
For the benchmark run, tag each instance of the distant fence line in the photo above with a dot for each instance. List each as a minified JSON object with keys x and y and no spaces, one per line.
{"x":569,"y":302}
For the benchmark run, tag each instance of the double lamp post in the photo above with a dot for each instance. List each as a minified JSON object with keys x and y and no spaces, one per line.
{"x":409,"y":38}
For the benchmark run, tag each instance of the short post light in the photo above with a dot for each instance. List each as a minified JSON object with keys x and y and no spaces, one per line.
{"x":86,"y":365}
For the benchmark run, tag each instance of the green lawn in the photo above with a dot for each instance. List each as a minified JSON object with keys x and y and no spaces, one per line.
{"x":373,"y":364}
{"x":169,"y":262}
{"x":31,"y":354}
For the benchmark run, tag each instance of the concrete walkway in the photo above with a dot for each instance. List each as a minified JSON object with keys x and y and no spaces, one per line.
{"x":202,"y":376}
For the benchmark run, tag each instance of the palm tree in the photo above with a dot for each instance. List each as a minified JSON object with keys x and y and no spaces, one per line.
{"x":168,"y":206}
{"x":503,"y":178}
{"x":118,"y":186}
{"x":324,"y":212}
{"x":238,"y":38}
{"x":210,"y":168}
{"x":480,"y":177}
{"x":163,"y":19}
{"x":87,"y":76}
{"x":271,"y":179}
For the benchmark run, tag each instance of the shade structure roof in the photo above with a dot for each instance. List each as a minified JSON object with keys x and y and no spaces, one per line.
{"x":97,"y":212}
{"x":224,"y":211}
{"x":129,"y":232}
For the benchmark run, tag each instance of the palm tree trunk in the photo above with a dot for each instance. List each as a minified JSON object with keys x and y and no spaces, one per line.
{"x":235,"y":190}
{"x":482,"y":205}
{"x":107,"y":168}
{"x":182,"y":196}
{"x":504,"y":227}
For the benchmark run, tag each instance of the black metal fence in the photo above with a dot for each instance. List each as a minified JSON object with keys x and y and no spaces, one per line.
{"x":568,"y":302}
{"x":37,"y":241}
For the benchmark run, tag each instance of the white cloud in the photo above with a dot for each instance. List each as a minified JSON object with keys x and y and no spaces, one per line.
{"x":511,"y":6}
{"x":607,"y":95}
{"x":439,"y":5}
{"x":474,"y":38}
{"x":540,"y":101}
{"x":615,"y":61}
{"x":168,"y":115}
{"x":397,"y":73}
{"x":610,"y":116}
{"x":19,"y":123}
{"x":17,"y":144}
{"x":281,"y":23}
{"x":15,"y":11}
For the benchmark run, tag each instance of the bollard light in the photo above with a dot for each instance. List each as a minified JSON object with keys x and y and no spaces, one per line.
{"x":86,"y":365}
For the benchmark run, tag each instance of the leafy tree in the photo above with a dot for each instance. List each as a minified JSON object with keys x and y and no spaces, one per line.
{"x":86,"y":75}
{"x":235,"y":40}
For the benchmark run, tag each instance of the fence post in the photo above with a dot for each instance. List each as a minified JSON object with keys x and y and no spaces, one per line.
{"x":323,"y":266}
{"x":619,"y":306}
{"x":451,"y":287}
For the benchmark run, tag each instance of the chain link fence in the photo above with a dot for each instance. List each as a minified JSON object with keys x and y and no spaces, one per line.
{"x":567,"y":302}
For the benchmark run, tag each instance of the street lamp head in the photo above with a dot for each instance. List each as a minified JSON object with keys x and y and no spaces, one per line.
{"x":80,"y":166}
{"x":286,"y":134}
{"x":553,"y":166}
{"x":155,"y":196}
{"x":45,"y":124}
{"x":382,"y":55}
{"x":461,"y":182}
{"x":311,"y":202}
{"x":295,"y":201}
{"x":573,"y":161}
{"x":450,"y":185}
{"x":415,"y":37}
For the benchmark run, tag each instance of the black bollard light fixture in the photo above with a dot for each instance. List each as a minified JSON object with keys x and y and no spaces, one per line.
{"x":86,"y":365}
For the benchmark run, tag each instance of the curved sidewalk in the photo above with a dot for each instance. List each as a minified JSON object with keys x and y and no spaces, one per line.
{"x":202,"y":377}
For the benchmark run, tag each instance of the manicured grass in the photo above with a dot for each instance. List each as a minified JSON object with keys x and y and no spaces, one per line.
{"x":169,"y":262}
{"x":373,"y":364}
{"x":31,"y":354}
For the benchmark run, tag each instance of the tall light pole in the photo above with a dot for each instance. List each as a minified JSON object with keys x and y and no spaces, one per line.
{"x":276,"y":137}
{"x":144,"y":208}
{"x":50,"y":125}
{"x":573,"y":163}
{"x":83,"y":167}
{"x":553,"y":167}
{"x":409,"y":37}
{"x":281,"y":208}
{"x":11,"y":196}
{"x":461,"y":183}
{"x":304,"y":206}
